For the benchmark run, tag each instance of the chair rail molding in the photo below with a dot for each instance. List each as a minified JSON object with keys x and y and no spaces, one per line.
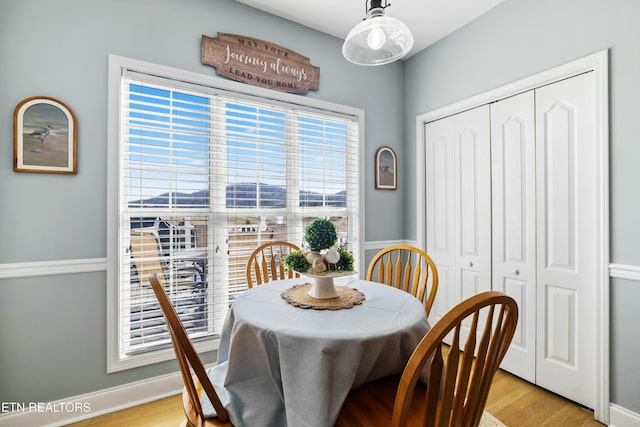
{"x":381,"y":244}
{"x":50,"y":268}
{"x":622,"y":271}
{"x":89,"y":265}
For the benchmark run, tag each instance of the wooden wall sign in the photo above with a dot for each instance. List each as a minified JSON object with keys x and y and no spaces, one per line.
{"x":260,"y":63}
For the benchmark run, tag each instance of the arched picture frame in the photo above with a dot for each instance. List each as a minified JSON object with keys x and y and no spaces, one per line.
{"x":386,"y":169}
{"x":44,"y":136}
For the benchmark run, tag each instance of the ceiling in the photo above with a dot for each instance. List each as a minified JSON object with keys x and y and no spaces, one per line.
{"x":428,"y":20}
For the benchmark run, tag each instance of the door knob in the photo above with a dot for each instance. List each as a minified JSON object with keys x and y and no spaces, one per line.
{"x":470,"y":263}
{"x":516,"y":271}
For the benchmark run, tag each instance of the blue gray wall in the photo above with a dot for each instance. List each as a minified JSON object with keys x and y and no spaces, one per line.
{"x":523,"y":37}
{"x":53,"y":328}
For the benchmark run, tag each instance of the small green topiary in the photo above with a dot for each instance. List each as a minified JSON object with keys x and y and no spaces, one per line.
{"x":320,"y":234}
{"x":346,"y":259}
{"x":295,"y":261}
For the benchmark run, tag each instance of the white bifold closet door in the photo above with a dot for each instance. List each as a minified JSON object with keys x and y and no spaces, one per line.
{"x":511,"y":206}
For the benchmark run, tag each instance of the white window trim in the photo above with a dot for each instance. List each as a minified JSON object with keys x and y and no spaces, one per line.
{"x":117,"y":65}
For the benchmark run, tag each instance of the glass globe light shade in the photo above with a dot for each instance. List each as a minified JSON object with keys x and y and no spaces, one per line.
{"x":377,"y":40}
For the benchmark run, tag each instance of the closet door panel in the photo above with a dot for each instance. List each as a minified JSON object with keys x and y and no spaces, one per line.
{"x":513,"y":222}
{"x":566,"y":223}
{"x":472,"y":187}
{"x":459,"y":205}
{"x":560,"y":183}
{"x":473,"y":201}
{"x":440,"y":211}
{"x":444,"y":295}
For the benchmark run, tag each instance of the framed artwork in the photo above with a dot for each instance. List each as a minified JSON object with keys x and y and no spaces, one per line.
{"x":44,"y":136}
{"x":386,"y":169}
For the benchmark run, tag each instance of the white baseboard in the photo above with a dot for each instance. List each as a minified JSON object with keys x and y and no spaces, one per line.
{"x":90,"y":405}
{"x":621,"y":417}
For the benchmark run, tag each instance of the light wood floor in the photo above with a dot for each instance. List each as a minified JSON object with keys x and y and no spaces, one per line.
{"x":513,"y":401}
{"x":518,"y":403}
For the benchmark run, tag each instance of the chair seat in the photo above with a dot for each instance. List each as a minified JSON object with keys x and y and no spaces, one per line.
{"x":371,"y":405}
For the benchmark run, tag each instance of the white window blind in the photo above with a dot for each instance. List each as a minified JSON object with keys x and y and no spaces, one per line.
{"x":165,"y":212}
{"x":205,"y":177}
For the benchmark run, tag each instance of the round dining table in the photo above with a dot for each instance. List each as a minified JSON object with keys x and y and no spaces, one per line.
{"x":280,"y":365}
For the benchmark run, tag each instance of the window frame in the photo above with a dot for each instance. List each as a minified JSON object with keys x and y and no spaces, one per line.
{"x":117,"y":67}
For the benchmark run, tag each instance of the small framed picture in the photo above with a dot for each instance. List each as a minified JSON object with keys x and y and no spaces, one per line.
{"x":386,"y":169}
{"x":44,"y":136}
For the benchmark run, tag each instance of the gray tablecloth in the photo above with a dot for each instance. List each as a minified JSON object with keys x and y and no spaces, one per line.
{"x":280,"y":365}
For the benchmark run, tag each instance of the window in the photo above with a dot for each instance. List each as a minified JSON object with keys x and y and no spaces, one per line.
{"x":200,"y":175}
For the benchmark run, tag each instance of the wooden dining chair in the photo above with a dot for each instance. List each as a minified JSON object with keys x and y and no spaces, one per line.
{"x":198,"y":381}
{"x":408,"y":268}
{"x":458,"y":377}
{"x":147,"y":259}
{"x":187,"y":283}
{"x":264,"y":263}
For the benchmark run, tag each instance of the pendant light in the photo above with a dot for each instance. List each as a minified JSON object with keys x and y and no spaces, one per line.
{"x":378,"y":39}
